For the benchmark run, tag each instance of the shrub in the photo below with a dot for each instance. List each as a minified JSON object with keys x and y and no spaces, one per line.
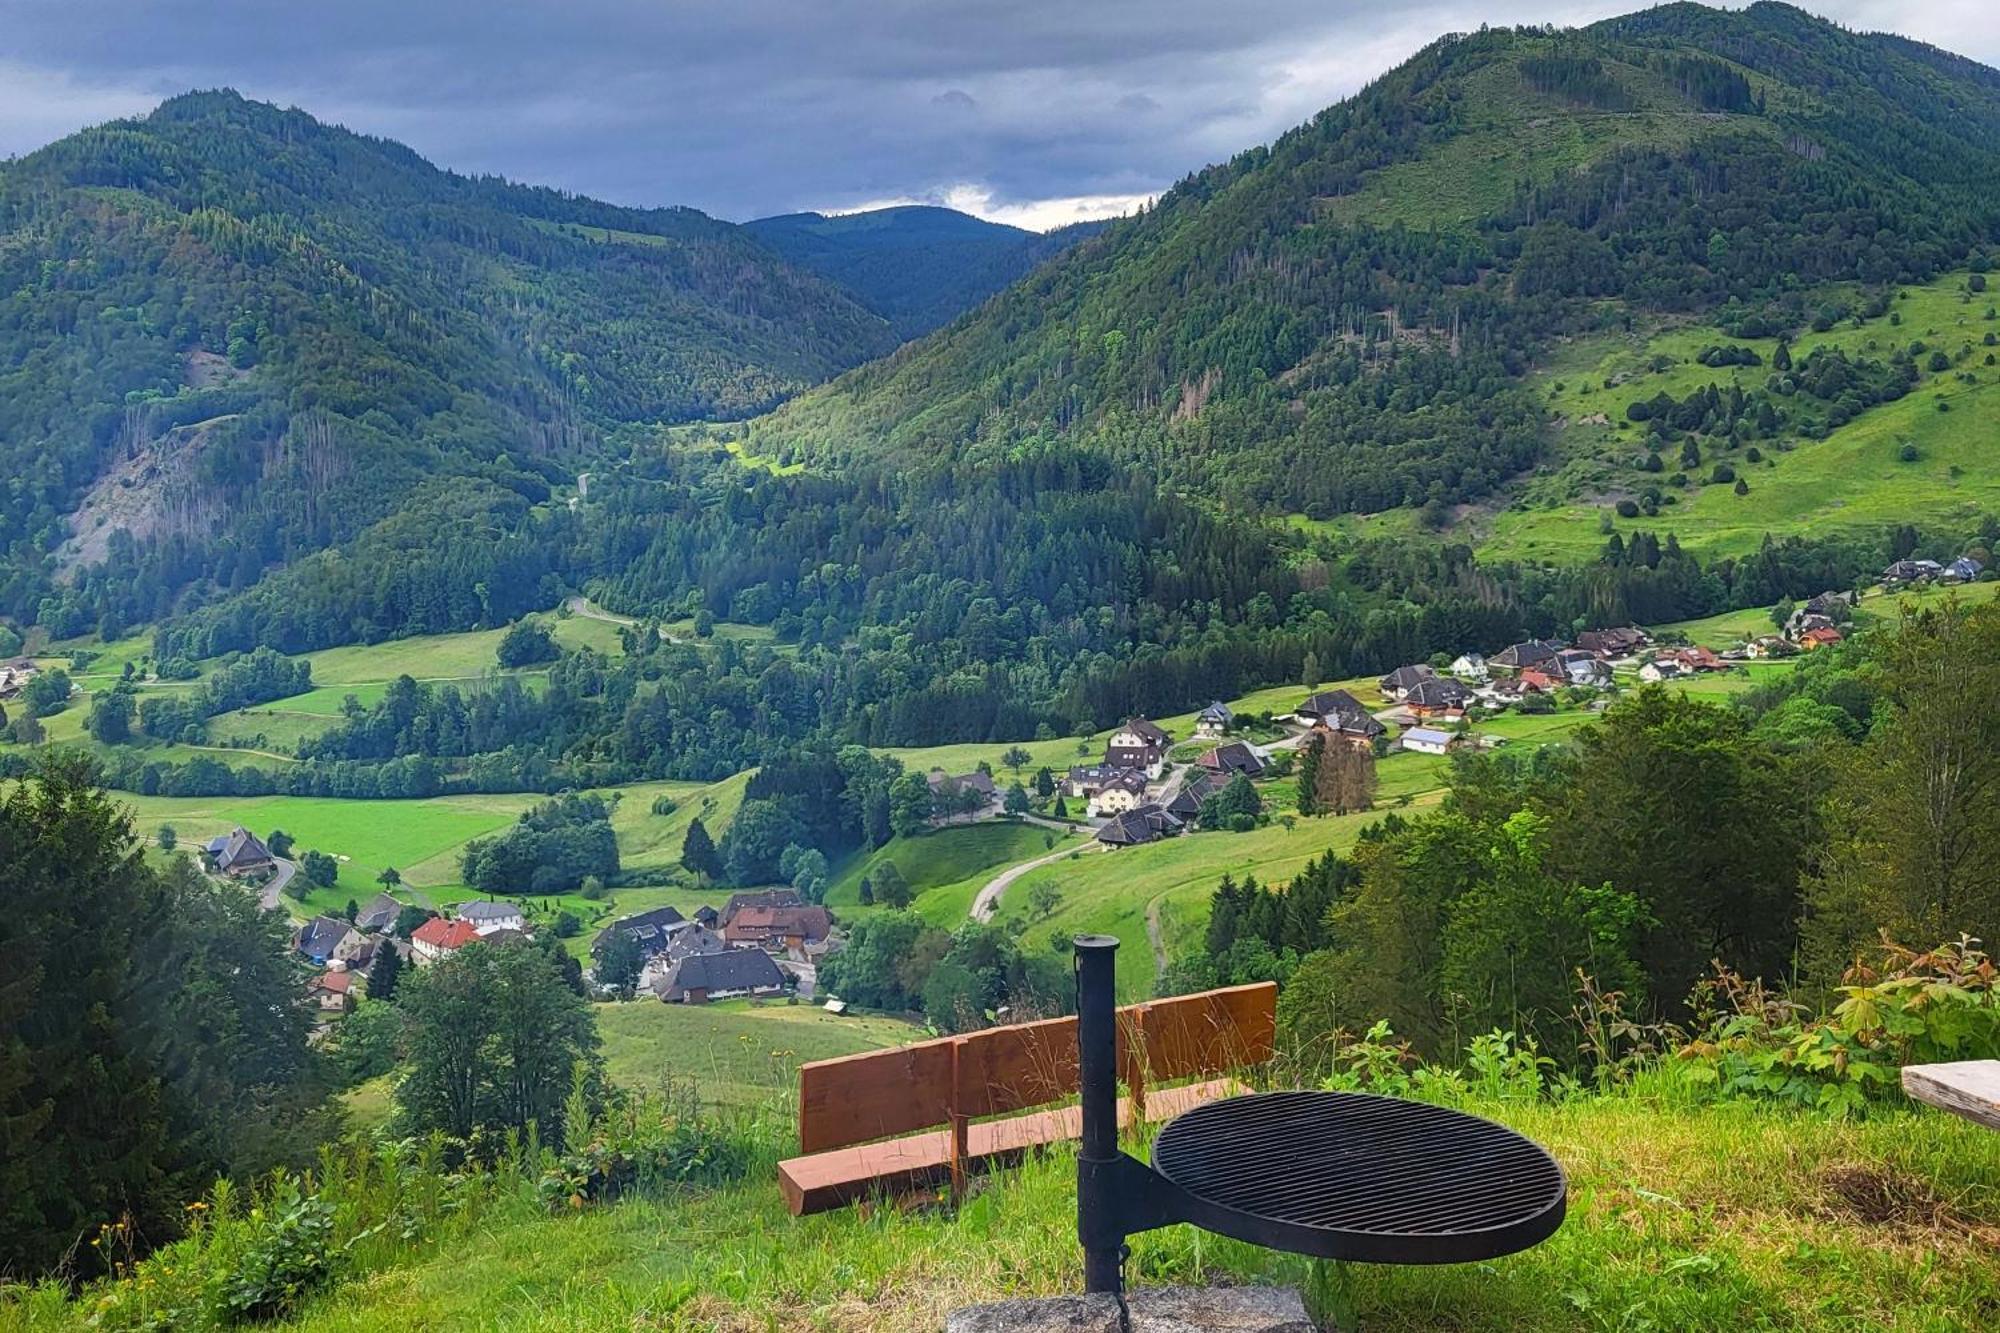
{"x":288,"y":1253}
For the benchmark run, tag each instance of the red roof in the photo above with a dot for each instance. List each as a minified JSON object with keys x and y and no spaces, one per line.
{"x":1538,"y":679}
{"x":338,"y":982}
{"x":1820,"y":636}
{"x":443,"y":934}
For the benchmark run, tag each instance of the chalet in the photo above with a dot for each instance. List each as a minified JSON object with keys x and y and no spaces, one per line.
{"x":1800,"y":621}
{"x":1186,"y":803}
{"x":1429,"y":740}
{"x":1341,"y":713}
{"x":1088,"y":780}
{"x":702,"y":977}
{"x":1124,"y":791}
{"x":320,"y":939}
{"x":239,"y":853}
{"x":333,"y":990}
{"x":1541,"y":680}
{"x":651,"y":931}
{"x":1228,"y":760}
{"x":438,"y":937}
{"x":759,"y":898}
{"x":379,"y":915}
{"x":777,"y":928}
{"x":1696,"y":659}
{"x":1590,"y":672}
{"x":1472,"y":667}
{"x":1963,"y":570}
{"x":954,"y":786}
{"x":1214,"y":721}
{"x":1532,"y":654}
{"x":358,"y":950}
{"x":14,"y":677}
{"x":1148,"y":823}
{"x":1659,"y":669}
{"x":1138,"y":744}
{"x":1437,"y":696}
{"x":1835,"y":606}
{"x":1819,"y":638}
{"x":1609,"y":643}
{"x":1398,"y":683}
{"x":1910,"y":571}
{"x":487,"y":916}
{"x":1771,"y":645}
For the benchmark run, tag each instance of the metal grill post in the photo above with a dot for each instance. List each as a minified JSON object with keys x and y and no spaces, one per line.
{"x":1097,"y":1064}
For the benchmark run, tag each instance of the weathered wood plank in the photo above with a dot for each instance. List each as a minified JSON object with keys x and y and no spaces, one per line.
{"x":1969,"y":1088}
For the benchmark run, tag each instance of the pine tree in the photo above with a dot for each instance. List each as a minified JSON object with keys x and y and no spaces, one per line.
{"x":1309,"y":775}
{"x":383,"y":973}
{"x":867,"y":892}
{"x":698,"y":854}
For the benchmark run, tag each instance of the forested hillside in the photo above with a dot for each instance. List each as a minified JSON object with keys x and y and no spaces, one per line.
{"x":1337,"y":322}
{"x":244,"y":336}
{"x":916,"y":266}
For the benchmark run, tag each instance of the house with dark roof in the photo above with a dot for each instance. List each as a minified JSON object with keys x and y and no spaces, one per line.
{"x":778,"y":928}
{"x":1963,"y":570}
{"x":1398,"y":683}
{"x":1610,"y":643}
{"x":690,"y":938}
{"x":487,"y":915}
{"x":733,"y":973}
{"x":1232,"y":758}
{"x":760,"y":898}
{"x":239,"y":852}
{"x":975,"y":789}
{"x":1186,"y":803}
{"x":320,"y":939}
{"x":651,"y":931}
{"x":1591,"y":672}
{"x":1472,"y":667}
{"x":1138,"y":744}
{"x":1438,"y":695}
{"x":707,"y":916}
{"x":1909,"y":571}
{"x":1148,"y":823}
{"x":379,"y":915}
{"x":1340,"y":712}
{"x":1525,"y":656}
{"x":1214,"y":721}
{"x":1124,"y":790}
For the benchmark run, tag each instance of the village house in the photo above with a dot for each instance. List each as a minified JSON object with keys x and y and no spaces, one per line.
{"x":333,"y":989}
{"x":1771,"y":645}
{"x":1541,"y":680}
{"x":439,"y":937}
{"x":1963,"y":570}
{"x":14,"y":677}
{"x":1340,"y":713}
{"x":1228,"y":760}
{"x":1438,"y":697}
{"x":1609,"y":643}
{"x":1530,"y":655}
{"x":1819,"y":638}
{"x":690,"y":938}
{"x":1086,"y":780}
{"x":975,"y":790}
{"x":778,"y":929}
{"x":239,"y":853}
{"x":1472,"y":667}
{"x":379,"y":915}
{"x":1659,"y":669}
{"x":1126,"y":790}
{"x":1910,"y":571}
{"x":1429,"y":740}
{"x":754,"y":898}
{"x":1398,"y":683}
{"x":1138,"y":744}
{"x":320,"y":939}
{"x":651,"y":931}
{"x":1695,"y":659}
{"x":731,"y":974}
{"x":1590,"y":672}
{"x":1186,"y":803}
{"x":487,"y":916}
{"x":1214,"y":721}
{"x":1148,"y":823}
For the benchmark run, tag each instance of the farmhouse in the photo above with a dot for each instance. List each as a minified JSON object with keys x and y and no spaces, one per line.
{"x":1214,"y":721}
{"x":1186,"y":803}
{"x":651,"y":931}
{"x":239,"y":853}
{"x":690,"y":938}
{"x":702,"y":977}
{"x":1125,"y":792}
{"x":1695,"y":659}
{"x":1341,"y":713}
{"x":1589,"y":671}
{"x":1148,"y":823}
{"x":1233,"y":758}
{"x":487,"y":916}
{"x":974,"y":789}
{"x":1610,"y":643}
{"x":1541,"y":680}
{"x":1909,"y":571}
{"x":778,"y":928}
{"x":1472,"y":667}
{"x":1819,"y":638}
{"x":1963,"y":570}
{"x":1437,"y":696}
{"x":379,"y":915}
{"x":1138,"y":744}
{"x":1398,"y":683}
{"x":438,"y":937}
{"x":1525,"y":656}
{"x":1663,"y":668}
{"x":320,"y":939}
{"x":333,"y":989}
{"x":1428,"y":740}
{"x":756,"y":898}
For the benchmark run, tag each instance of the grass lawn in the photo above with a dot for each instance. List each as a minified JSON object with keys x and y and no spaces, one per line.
{"x":647,"y":839}
{"x":946,"y":867}
{"x":735,"y":1053}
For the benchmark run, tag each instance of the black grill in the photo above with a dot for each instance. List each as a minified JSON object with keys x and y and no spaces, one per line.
{"x":1338,"y":1175}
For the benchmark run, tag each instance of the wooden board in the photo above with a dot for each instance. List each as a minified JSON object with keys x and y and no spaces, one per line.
{"x":862,"y":1097}
{"x":1969,"y":1088}
{"x":822,"y":1181}
{"x":1211,"y":1032}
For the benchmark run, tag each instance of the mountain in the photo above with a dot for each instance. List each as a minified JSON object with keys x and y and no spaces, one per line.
{"x":245,"y":335}
{"x":917,"y":266}
{"x":1340,"y":321}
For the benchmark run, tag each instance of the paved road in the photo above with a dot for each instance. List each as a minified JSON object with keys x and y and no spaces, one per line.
{"x":987,"y":901}
{"x":268,"y":897}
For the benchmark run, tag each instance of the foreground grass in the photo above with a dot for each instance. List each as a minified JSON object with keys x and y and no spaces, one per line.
{"x":1681,"y":1216}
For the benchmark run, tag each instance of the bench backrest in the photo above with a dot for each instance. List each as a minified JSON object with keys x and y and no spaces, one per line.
{"x":861,"y":1098}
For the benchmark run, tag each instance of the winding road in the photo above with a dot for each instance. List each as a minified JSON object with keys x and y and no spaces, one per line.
{"x":987,"y":901}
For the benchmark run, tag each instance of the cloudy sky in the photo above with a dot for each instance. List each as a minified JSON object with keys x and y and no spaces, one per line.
{"x":1037,"y":112}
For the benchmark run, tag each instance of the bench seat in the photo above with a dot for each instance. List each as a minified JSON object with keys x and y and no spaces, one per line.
{"x":828,"y":1180}
{"x":1969,"y":1088}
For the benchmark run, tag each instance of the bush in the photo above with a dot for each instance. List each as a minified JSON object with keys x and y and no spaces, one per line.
{"x":1628,"y":509}
{"x":665,"y":805}
{"x":525,"y":644}
{"x":289,"y":1253}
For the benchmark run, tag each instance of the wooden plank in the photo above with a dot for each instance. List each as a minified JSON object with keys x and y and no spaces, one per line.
{"x":1969,"y":1088}
{"x":1211,"y":1033}
{"x":856,"y":1098}
{"x":822,"y":1181}
{"x":1010,"y":1068}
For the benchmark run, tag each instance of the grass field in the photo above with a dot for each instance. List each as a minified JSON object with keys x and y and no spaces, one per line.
{"x":735,"y":1053}
{"x":946,"y":867}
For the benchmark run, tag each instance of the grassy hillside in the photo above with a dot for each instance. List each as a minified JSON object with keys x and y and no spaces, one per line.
{"x":736,"y":1053}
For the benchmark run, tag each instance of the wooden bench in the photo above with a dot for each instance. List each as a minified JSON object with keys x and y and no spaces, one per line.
{"x":1969,"y":1088}
{"x":859,"y":1115}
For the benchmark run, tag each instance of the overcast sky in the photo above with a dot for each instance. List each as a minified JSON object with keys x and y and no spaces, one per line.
{"x":1037,"y":112}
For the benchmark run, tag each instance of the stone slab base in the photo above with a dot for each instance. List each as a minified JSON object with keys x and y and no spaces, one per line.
{"x":1153,"y":1309}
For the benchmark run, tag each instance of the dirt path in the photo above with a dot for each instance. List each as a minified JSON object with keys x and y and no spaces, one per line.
{"x":987,"y":901}
{"x":1153,"y":931}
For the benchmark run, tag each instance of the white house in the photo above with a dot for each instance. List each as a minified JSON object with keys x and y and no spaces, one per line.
{"x":488,"y":916}
{"x":1139,"y":744}
{"x":1213,"y":723}
{"x":1116,"y":797}
{"x":1471,"y":666}
{"x":1429,"y":740}
{"x":1663,"y":669}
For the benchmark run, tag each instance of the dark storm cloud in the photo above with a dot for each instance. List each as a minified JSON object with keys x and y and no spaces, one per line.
{"x":1038,"y":110}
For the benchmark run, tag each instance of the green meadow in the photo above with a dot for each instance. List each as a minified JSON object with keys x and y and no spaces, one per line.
{"x":946,"y":867}
{"x":737,"y":1053}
